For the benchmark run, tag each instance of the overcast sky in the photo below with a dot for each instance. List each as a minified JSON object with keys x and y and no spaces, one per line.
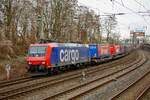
{"x":131,"y":20}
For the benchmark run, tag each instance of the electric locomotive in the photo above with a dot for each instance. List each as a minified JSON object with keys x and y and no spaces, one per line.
{"x":46,"y":57}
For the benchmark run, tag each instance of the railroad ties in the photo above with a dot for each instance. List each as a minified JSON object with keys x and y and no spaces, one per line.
{"x":113,"y":80}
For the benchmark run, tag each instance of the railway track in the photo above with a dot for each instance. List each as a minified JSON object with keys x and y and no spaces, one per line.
{"x":143,"y":93}
{"x":15,"y":81}
{"x":137,"y":89}
{"x":117,"y":96}
{"x":13,"y":92}
{"x":84,"y":88}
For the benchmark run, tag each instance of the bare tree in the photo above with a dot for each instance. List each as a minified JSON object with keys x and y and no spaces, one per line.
{"x":88,"y":25}
{"x":26,"y":21}
{"x":109,"y":25}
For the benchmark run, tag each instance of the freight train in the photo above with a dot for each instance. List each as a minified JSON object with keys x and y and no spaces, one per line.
{"x":46,"y":58}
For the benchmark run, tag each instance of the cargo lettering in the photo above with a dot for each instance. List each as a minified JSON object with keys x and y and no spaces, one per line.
{"x":67,"y":55}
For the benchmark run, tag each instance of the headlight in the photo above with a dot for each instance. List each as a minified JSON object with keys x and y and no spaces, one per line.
{"x":30,"y":63}
{"x":43,"y":62}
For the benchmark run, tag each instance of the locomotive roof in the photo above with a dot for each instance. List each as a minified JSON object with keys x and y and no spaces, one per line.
{"x":60,"y":44}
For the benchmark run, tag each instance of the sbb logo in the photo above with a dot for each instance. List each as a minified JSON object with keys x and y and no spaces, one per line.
{"x":67,"y":55}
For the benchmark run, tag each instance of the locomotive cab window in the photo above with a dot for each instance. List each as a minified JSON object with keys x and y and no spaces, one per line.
{"x":37,"y":51}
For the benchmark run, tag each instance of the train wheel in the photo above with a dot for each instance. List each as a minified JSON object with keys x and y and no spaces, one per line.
{"x":50,"y":71}
{"x":77,"y":66}
{"x":55,"y":70}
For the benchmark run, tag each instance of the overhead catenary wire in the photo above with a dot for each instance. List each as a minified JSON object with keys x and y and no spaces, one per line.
{"x":131,"y":10}
{"x":143,"y":12}
{"x":140,"y":4}
{"x":122,"y":2}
